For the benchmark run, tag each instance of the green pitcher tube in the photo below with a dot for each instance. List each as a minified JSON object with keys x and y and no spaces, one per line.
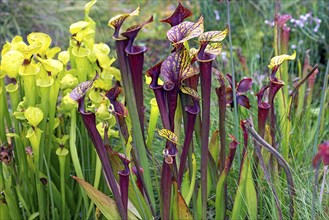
{"x":62,"y":153}
{"x":28,"y":74}
{"x":153,"y":122}
{"x":13,"y":91}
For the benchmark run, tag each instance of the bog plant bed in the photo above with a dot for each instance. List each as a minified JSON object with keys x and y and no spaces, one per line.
{"x":92,"y":133}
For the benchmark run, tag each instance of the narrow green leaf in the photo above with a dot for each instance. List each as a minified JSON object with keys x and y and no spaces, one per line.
{"x":34,"y":215}
{"x":180,"y":209}
{"x":239,"y":204}
{"x":250,"y":192}
{"x":192,"y":184}
{"x":220,"y":197}
{"x":214,"y":145}
{"x":105,"y":204}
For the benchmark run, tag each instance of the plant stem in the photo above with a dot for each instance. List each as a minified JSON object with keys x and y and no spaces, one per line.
{"x":205,"y":71}
{"x":74,"y":153}
{"x":236,"y":117}
{"x":14,"y":100}
{"x":325,"y":171}
{"x":98,"y":173}
{"x":62,"y":152}
{"x":35,"y":138}
{"x":136,"y":125}
{"x":323,"y":96}
{"x":281,"y":161}
{"x":53,"y":96}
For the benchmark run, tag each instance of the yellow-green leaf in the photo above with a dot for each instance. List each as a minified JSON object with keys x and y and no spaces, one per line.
{"x":80,"y":51}
{"x":117,"y":20}
{"x":251,"y":195}
{"x":50,"y":53}
{"x":78,"y":26}
{"x":52,"y":66}
{"x":213,"y":145}
{"x":10,"y":63}
{"x":277,"y":60}
{"x":62,"y":151}
{"x":11,"y":87}
{"x":148,"y":80}
{"x":88,"y":7}
{"x":29,"y":70}
{"x":214,"y":48}
{"x":180,"y":209}
{"x":69,"y":81}
{"x":64,"y":57}
{"x":185,"y":31}
{"x":169,"y":135}
{"x":42,"y":38}
{"x":214,"y":35}
{"x":33,"y":115}
{"x":45,"y":81}
{"x":105,"y":204}
{"x":190,"y":91}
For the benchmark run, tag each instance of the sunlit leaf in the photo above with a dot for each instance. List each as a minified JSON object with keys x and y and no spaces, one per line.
{"x":213,"y":145}
{"x":62,"y":151}
{"x":214,"y":48}
{"x":33,"y":115}
{"x":251,"y":195}
{"x":64,"y":57}
{"x":95,"y":96}
{"x":180,"y":209}
{"x":214,"y":36}
{"x":38,"y":37}
{"x":277,"y":60}
{"x":11,"y":62}
{"x":69,"y":81}
{"x":80,"y":51}
{"x":78,"y":26}
{"x":45,"y":81}
{"x":185,"y":31}
{"x":11,"y":87}
{"x":52,"y":66}
{"x":177,"y":67}
{"x":190,"y":91}
{"x":220,"y":187}
{"x":169,"y":135}
{"x":31,"y":49}
{"x":118,"y":20}
{"x":50,"y":53}
{"x":88,"y":7}
{"x":102,"y":201}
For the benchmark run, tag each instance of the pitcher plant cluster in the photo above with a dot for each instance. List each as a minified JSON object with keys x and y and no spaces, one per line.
{"x":66,"y":111}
